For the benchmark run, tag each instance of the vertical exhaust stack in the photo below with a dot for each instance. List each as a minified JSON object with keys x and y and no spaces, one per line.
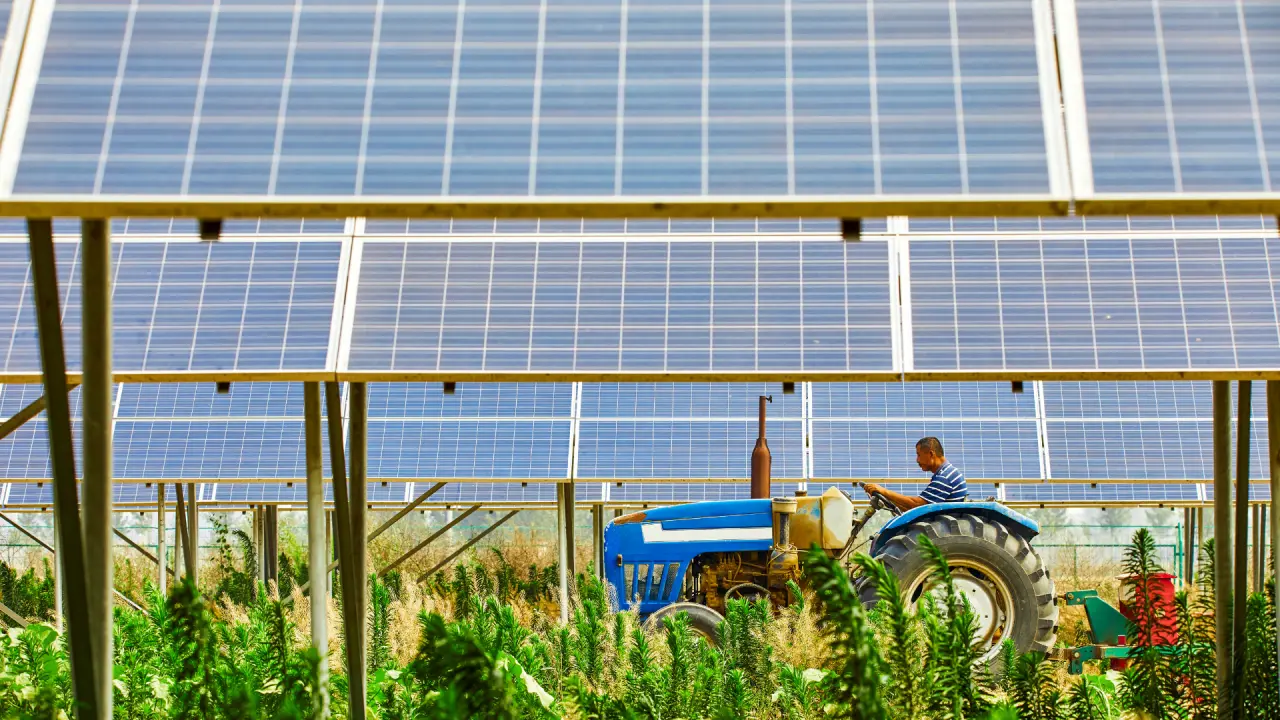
{"x":761,"y":460}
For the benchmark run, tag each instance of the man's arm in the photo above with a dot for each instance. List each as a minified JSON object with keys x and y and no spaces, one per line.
{"x":904,"y":502}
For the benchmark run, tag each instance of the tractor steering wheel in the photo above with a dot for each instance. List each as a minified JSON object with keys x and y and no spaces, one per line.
{"x":880,"y":502}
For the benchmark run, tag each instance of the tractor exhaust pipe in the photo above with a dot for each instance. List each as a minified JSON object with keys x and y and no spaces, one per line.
{"x":761,"y":460}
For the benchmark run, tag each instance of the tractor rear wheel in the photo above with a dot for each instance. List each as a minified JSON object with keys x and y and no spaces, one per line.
{"x":1004,"y":580}
{"x":702,"y":619}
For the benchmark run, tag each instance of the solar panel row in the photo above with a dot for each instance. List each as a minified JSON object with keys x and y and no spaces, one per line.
{"x":1112,"y":432}
{"x":539,"y":98}
{"x":741,"y":304}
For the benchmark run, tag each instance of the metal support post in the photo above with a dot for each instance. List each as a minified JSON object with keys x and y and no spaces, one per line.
{"x":1188,"y":547}
{"x":271,"y":542}
{"x":352,"y":620}
{"x":387,"y":525}
{"x":317,"y":538}
{"x":564,"y":534}
{"x":161,"y":551}
{"x":141,"y":550}
{"x":1273,"y":460}
{"x":193,"y":530}
{"x":1257,"y":547}
{"x":98,"y":409}
{"x":1240,"y":594}
{"x":430,"y":539}
{"x":183,"y":541}
{"x":468,"y":544}
{"x":357,"y":441}
{"x":259,"y":548}
{"x":1222,"y":544}
{"x":62,"y":455}
{"x":597,"y":540}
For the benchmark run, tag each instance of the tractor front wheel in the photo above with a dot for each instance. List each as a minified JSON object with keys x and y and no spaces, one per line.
{"x":998,"y":572}
{"x":702,"y":619}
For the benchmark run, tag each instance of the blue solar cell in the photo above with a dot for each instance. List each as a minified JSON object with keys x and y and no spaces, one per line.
{"x":588,"y":227}
{"x":1101,"y":493}
{"x":683,"y":449}
{"x":685,"y":492}
{"x":686,"y":401}
{"x":1132,"y":400}
{"x":1097,"y":303}
{"x":190,"y":306}
{"x":1097,"y":223}
{"x":468,"y":449}
{"x":958,"y":401}
{"x":30,"y":494}
{"x":211,"y":449}
{"x":886,"y":448}
{"x":1180,"y":94}
{"x":594,"y":99}
{"x":470,"y":400}
{"x":1141,"y":449}
{"x":466,"y":493}
{"x":611,"y":305}
{"x":277,"y":400}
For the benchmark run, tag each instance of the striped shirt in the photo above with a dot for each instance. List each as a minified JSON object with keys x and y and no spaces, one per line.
{"x":946,"y":485}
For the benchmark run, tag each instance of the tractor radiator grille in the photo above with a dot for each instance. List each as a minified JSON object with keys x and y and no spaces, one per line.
{"x":652,"y":582}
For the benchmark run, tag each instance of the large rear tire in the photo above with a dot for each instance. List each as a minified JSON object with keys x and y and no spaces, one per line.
{"x":1004,"y":579}
{"x":702,"y":619}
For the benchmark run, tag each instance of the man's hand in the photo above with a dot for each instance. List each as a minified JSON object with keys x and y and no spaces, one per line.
{"x":871,"y":488}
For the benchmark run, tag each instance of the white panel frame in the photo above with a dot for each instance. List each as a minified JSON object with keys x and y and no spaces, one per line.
{"x":1055,"y":132}
{"x":1074,"y":110}
{"x":34,"y":34}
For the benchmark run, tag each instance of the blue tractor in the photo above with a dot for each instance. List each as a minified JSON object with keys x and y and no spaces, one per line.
{"x":693,"y":558}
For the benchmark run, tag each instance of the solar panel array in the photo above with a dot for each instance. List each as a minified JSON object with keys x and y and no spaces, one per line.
{"x":627,"y":443}
{"x":521,"y":97}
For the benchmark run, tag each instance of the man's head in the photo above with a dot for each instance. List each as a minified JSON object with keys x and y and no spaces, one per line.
{"x":929,"y":454}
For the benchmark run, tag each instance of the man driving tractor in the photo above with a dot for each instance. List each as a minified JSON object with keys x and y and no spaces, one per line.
{"x":946,"y":485}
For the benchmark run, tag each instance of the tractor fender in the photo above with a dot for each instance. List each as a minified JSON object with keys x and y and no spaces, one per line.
{"x":1018,"y":524}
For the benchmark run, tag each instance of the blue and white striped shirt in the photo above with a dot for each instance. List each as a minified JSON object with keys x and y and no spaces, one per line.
{"x":946,"y":485}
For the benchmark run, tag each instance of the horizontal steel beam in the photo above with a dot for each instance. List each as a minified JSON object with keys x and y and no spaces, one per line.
{"x":650,"y":376}
{"x":534,"y":208}
{"x":1226,"y":203}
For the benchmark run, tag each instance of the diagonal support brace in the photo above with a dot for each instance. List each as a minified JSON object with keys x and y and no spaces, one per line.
{"x":468,"y":545}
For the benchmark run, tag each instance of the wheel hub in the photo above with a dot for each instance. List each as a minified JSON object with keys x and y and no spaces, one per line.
{"x":989,"y":601}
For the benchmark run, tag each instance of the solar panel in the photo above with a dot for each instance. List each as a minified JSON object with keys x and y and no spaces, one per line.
{"x":616,"y":306}
{"x":473,"y":448}
{"x":189,"y":306}
{"x":1101,"y":493}
{"x":210,"y":449}
{"x":1137,"y":431}
{"x":470,"y":400}
{"x":642,"y":449}
{"x":686,"y":401}
{"x":1180,"y":94}
{"x":957,"y":401}
{"x":886,"y":448}
{"x":765,"y":226}
{"x":1094,"y":303}
{"x":262,"y":400}
{"x":523,"y":98}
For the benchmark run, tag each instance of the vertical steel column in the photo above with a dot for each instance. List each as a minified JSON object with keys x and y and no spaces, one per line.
{"x":161,"y":551}
{"x":98,"y":408}
{"x":259,"y":547}
{"x":193,"y":531}
{"x":1240,"y":594}
{"x":352,"y":620}
{"x":358,"y":407}
{"x":565,"y":548}
{"x":62,"y":456}
{"x":1222,"y":565}
{"x":1273,"y":459}
{"x":1256,"y":555}
{"x":182,"y":539}
{"x":597,"y":539}
{"x":271,"y":542}
{"x":317,"y":536}
{"x":1188,"y":547}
